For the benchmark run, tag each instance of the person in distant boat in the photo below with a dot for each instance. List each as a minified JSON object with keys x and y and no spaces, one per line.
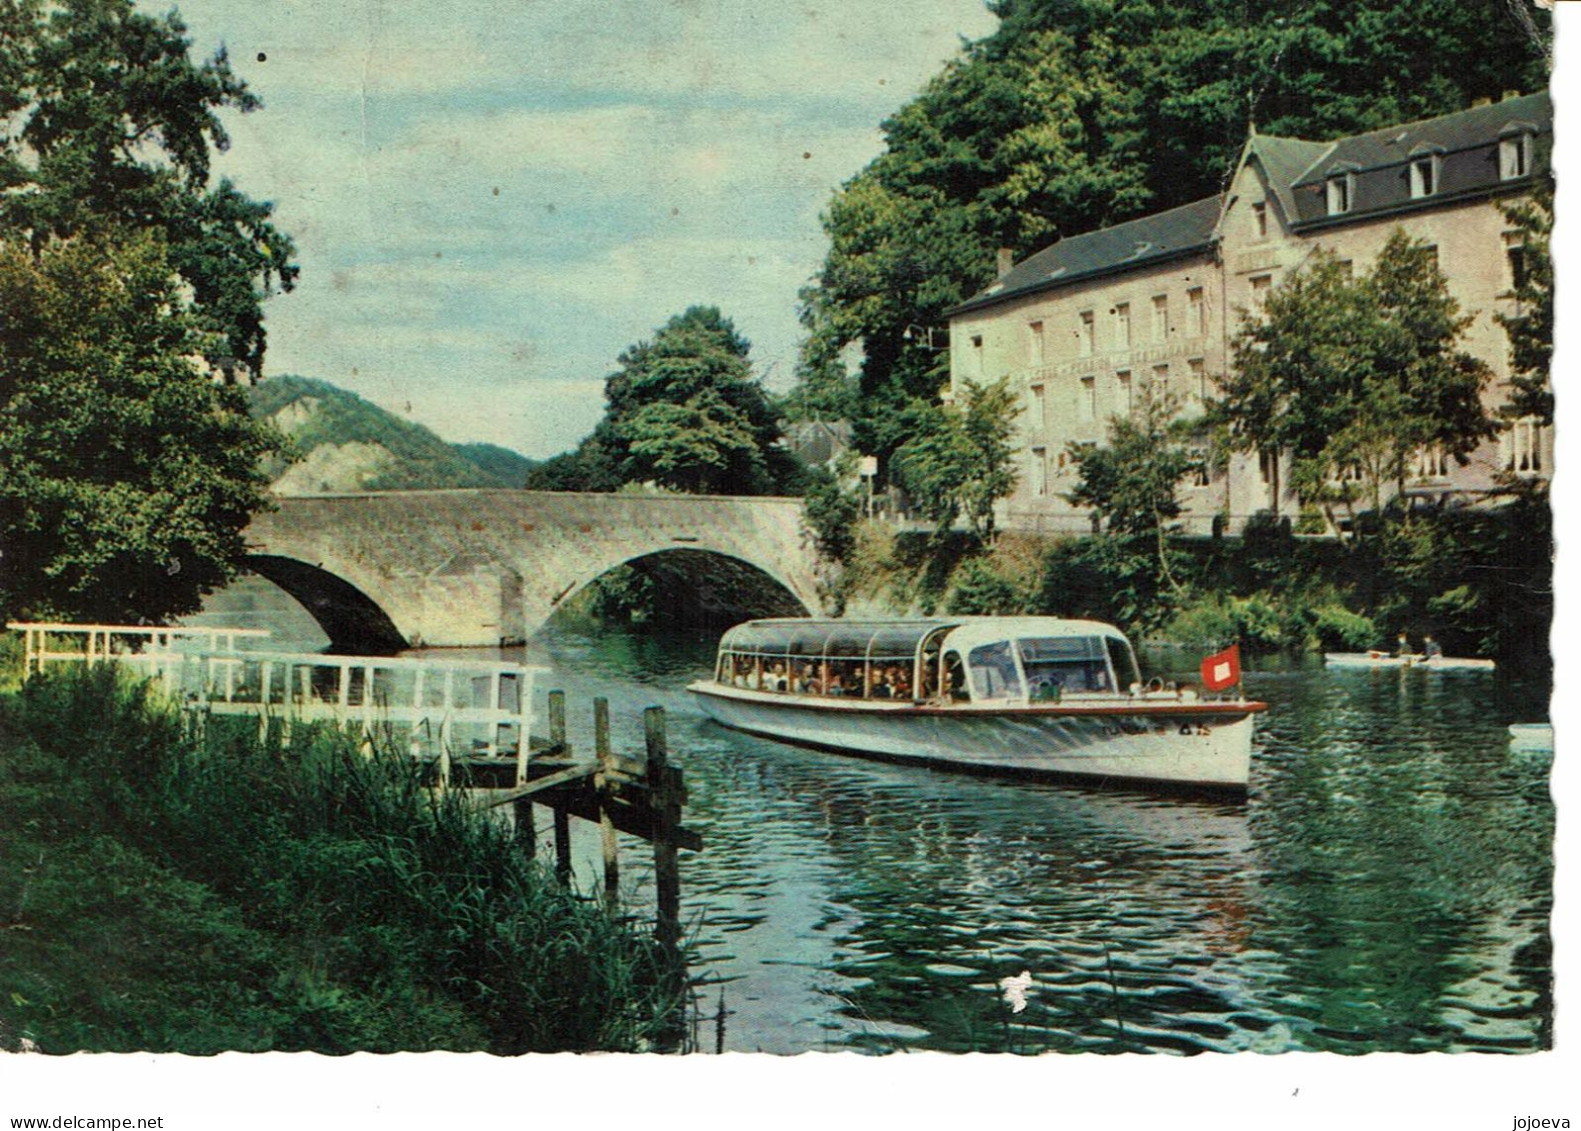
{"x":1402,"y":645}
{"x":777,"y":678}
{"x":836,"y":685}
{"x":1431,"y":649}
{"x":877,"y":687}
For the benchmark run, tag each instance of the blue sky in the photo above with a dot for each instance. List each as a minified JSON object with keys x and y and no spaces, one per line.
{"x":491,"y":201}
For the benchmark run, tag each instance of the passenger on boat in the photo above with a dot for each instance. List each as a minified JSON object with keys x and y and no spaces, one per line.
{"x":1432,"y":649}
{"x":836,"y":685}
{"x":877,"y":688}
{"x":777,"y":679}
{"x":1402,"y":645}
{"x":806,"y":680}
{"x":899,"y":684}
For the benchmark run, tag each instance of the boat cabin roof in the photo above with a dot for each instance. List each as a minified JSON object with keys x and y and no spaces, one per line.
{"x":897,"y":639}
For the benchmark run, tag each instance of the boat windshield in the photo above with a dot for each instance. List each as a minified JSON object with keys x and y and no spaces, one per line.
{"x":994,"y":674}
{"x":1061,"y":665}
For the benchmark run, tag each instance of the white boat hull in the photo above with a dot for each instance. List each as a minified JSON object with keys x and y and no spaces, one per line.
{"x":1422,"y":663}
{"x":1159,"y":741}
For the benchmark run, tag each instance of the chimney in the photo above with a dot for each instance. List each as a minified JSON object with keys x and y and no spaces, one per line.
{"x":1006,"y":260}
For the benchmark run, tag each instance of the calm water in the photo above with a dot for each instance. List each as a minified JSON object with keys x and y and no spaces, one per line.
{"x":1387,"y":887}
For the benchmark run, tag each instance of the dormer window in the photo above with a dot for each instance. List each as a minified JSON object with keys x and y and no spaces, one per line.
{"x":1260,"y":219}
{"x":1341,"y":187}
{"x":1515,"y":153}
{"x":1424,"y":176}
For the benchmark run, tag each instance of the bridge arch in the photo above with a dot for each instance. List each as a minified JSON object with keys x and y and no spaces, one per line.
{"x":352,"y":620}
{"x":718,"y":597}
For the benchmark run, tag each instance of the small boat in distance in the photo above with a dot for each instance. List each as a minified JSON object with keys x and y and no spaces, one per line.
{"x":1381,"y":659}
{"x":1039,"y":696}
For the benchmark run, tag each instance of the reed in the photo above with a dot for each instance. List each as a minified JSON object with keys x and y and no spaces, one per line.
{"x":397,"y":917}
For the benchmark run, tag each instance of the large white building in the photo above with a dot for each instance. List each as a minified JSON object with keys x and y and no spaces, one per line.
{"x":1084,"y":327}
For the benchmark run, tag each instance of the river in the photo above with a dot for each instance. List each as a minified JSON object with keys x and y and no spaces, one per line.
{"x":1388,"y":886}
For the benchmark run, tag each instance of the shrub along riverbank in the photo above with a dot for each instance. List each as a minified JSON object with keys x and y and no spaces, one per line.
{"x":165,"y":892}
{"x":1478,"y":579}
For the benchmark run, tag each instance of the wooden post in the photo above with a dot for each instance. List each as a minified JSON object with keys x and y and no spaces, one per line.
{"x":562,"y":845}
{"x":557,"y":723}
{"x":664,"y":797}
{"x":604,"y":782}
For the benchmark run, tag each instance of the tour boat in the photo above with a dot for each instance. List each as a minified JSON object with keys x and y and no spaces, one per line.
{"x":1037,"y":696}
{"x":1380,"y":659}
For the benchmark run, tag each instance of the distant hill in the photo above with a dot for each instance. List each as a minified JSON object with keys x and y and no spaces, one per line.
{"x":349,"y":444}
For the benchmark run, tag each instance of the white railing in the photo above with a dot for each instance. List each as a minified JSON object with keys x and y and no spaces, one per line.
{"x":46,"y":642}
{"x":440,"y":709}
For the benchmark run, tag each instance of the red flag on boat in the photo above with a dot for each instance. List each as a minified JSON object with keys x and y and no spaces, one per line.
{"x":1222,"y":669}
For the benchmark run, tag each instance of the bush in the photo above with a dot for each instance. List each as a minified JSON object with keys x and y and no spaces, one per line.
{"x":1337,"y":629}
{"x":980,"y":590}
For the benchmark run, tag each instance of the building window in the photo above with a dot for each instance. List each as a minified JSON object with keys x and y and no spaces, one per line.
{"x":1034,"y":343}
{"x":974,"y":356}
{"x":1432,"y":462}
{"x":1196,"y":313}
{"x":1124,"y":401}
{"x":1199,"y":379}
{"x":1430,"y":253}
{"x":1160,"y":318}
{"x":1261,"y":285}
{"x":1122,"y":326}
{"x":1160,"y":387}
{"x":1523,"y":446}
{"x":1084,"y":342}
{"x":1515,"y":257}
{"x":1087,"y":399}
{"x":1040,"y":471}
{"x":1038,"y":419}
{"x":1260,"y":219}
{"x":1201,"y":474}
{"x":1339,"y":193}
{"x":1267,"y":466}
{"x":1515,"y":156}
{"x":1424,"y":177}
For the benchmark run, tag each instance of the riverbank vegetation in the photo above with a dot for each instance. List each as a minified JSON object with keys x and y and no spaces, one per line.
{"x":165,"y":890}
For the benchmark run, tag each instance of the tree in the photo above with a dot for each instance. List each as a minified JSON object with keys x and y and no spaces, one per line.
{"x":1076,"y":114}
{"x":1351,"y":376}
{"x":126,"y":473}
{"x":105,"y":122}
{"x":1132,"y":485}
{"x":1530,"y":328}
{"x":682,"y":411}
{"x":960,"y":459}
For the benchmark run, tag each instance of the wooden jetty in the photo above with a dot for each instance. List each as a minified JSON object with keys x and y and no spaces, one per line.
{"x":468,"y":722}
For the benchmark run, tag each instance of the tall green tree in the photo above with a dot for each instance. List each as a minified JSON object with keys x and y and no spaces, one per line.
{"x":1530,"y":328}
{"x":1132,"y":484}
{"x":126,"y":473}
{"x":1350,"y":376}
{"x":1076,"y":114}
{"x":683,"y":411}
{"x":106,"y":122}
{"x":959,"y":461}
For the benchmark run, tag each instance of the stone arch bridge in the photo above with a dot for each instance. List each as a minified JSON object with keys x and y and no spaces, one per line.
{"x":470,"y":568}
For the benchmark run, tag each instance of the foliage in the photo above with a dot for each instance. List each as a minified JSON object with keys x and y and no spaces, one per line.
{"x":1531,"y":328}
{"x":107,"y":123}
{"x":198,"y":895}
{"x":980,"y":589}
{"x":959,"y":460}
{"x":1351,"y":376}
{"x":1077,"y":114}
{"x":126,"y":474}
{"x":832,"y":513}
{"x":684,"y":412}
{"x":1131,"y":484}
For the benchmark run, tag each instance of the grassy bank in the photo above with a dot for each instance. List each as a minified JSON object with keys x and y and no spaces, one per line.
{"x":163,"y":892}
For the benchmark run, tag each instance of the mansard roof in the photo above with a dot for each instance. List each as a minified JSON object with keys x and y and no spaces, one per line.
{"x":1465,"y":145}
{"x":1147,"y":241}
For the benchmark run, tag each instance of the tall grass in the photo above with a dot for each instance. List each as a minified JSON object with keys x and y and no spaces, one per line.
{"x":401,"y":917}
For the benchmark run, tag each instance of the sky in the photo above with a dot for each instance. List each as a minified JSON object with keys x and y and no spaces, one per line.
{"x":491,"y":201}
